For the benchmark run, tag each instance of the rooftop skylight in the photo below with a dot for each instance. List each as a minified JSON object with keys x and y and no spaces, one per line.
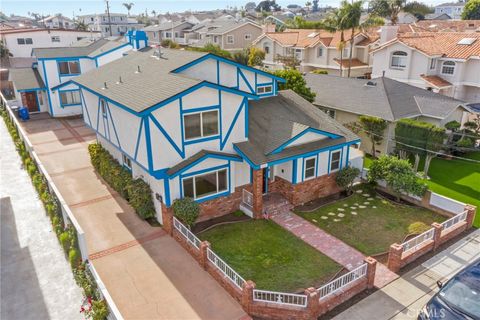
{"x":467,"y":41}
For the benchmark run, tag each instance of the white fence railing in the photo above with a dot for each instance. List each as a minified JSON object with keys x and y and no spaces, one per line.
{"x":289,"y":299}
{"x":446,"y":204}
{"x":450,"y":223}
{"x":188,"y":235}
{"x":114,"y":312}
{"x":414,"y":243}
{"x":343,"y":281}
{"x":221,"y":265}
{"x":247,"y":198}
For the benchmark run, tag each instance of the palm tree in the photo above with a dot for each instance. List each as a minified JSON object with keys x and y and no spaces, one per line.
{"x":336,"y":21}
{"x":308,"y":4}
{"x":128,"y":6}
{"x":353,"y":14}
{"x":81,"y":26}
{"x":154,"y":13}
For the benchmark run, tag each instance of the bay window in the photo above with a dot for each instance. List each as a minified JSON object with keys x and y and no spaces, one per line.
{"x":207,"y":184}
{"x":202,"y":124}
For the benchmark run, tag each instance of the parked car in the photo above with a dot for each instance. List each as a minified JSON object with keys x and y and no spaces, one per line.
{"x":457,"y":299}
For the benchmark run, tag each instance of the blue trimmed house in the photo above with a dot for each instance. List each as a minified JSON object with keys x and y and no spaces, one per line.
{"x":197,"y":125}
{"x":41,"y":88}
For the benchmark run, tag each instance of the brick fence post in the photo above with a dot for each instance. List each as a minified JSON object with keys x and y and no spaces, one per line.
{"x":437,"y":235}
{"x":371,"y":270}
{"x":313,"y":302}
{"x":394,"y":262}
{"x":247,"y":295}
{"x":203,"y":258}
{"x":257,"y":192}
{"x":471,"y":211}
{"x":167,"y":219}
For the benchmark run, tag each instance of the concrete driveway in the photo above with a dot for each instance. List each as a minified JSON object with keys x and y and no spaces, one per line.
{"x":148,"y":275}
{"x":403,"y":298}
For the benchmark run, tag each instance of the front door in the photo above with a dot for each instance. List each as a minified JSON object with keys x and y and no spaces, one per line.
{"x":265,"y":180}
{"x":31,"y":101}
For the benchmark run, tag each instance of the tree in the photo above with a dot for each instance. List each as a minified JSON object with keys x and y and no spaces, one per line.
{"x":241,"y":56}
{"x":129,"y":6}
{"x":336,"y":21}
{"x":308,"y":4}
{"x":295,"y":82}
{"x":418,"y":9}
{"x":473,"y":125}
{"x":211,"y":48}
{"x":388,"y":9}
{"x":345,"y":178}
{"x":154,"y":13}
{"x":471,"y":11}
{"x":81,"y":26}
{"x":255,"y":57}
{"x":267,"y":6}
{"x":187,"y":210}
{"x":4,"y":52}
{"x":398,"y":175}
{"x":374,"y":129}
{"x":315,"y":7}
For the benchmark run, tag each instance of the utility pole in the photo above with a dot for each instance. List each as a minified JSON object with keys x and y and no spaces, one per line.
{"x":108,"y":15}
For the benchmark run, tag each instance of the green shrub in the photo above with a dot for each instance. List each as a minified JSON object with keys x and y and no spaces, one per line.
{"x":187,"y":210}
{"x":73,"y":258}
{"x":140,"y":198}
{"x":85,"y":280}
{"x":65,"y":241}
{"x":100,"y":310}
{"x":167,"y":43}
{"x":39,"y":183}
{"x":94,"y":150}
{"x":320,"y":71}
{"x":346,"y":176}
{"x":417,"y":227}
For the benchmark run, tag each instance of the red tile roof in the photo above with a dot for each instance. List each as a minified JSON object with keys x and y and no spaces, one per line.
{"x":436,"y":81}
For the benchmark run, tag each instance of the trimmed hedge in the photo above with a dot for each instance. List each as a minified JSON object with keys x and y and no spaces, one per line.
{"x":137,"y":192}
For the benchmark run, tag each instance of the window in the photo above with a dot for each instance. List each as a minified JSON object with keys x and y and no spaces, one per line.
{"x":28,"y":41}
{"x":399,"y":59}
{"x":55,"y":38}
{"x":168,"y":34}
{"x":448,"y":67}
{"x":266,"y":48}
{"x":203,"y":124}
{"x":335,"y":160}
{"x":264,"y":89}
{"x":248,"y":36}
{"x":346,"y":53}
{"x":433,"y":64}
{"x":207,"y":184}
{"x":103,"y":107}
{"x":330,"y":112}
{"x":309,"y":168}
{"x":80,"y":38}
{"x":69,"y":67}
{"x":215,"y":39}
{"x":319,"y":51}
{"x":24,"y":40}
{"x":127,"y":163}
{"x":69,"y":97}
{"x":230,"y":39}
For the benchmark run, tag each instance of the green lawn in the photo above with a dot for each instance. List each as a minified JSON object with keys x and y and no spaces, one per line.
{"x":371,"y":230}
{"x":273,"y":258}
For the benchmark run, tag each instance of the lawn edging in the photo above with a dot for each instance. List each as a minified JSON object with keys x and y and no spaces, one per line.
{"x":269,"y":304}
{"x":98,"y":303}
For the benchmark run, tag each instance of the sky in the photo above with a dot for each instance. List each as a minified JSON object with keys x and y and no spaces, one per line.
{"x":71,"y":7}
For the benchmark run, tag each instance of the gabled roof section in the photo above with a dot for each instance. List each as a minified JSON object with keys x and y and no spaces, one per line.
{"x":383,"y":97}
{"x":84,"y":48}
{"x":167,"y":26}
{"x":275,"y":122}
{"x":199,"y":157}
{"x":26,"y":78}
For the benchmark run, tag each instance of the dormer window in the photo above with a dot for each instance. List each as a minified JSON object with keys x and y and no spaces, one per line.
{"x":448,"y":68}
{"x":399,"y":59}
{"x":264,"y":89}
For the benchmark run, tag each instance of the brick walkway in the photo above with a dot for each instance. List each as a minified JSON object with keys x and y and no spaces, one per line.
{"x":330,"y":246}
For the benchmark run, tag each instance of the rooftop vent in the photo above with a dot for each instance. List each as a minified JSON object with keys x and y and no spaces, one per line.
{"x":119,"y":80}
{"x":138,"y":69}
{"x":467,"y":41}
{"x":312,"y":35}
{"x":371,"y":84}
{"x":105,"y":86}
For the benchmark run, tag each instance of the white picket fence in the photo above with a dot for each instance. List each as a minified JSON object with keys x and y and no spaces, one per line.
{"x":228,"y":271}
{"x":415,"y":243}
{"x":186,"y":233}
{"x":281,"y":298}
{"x":343,"y":281}
{"x":453,"y":221}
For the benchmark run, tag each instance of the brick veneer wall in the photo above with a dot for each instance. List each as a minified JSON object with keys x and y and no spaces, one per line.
{"x":306,"y":191}
{"x":222,"y":205}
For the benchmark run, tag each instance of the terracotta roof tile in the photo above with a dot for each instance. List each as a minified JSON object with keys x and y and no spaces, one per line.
{"x":436,"y":81}
{"x":346,"y":62}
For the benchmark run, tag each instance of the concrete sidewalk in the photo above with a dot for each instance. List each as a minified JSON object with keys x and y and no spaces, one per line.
{"x":403,"y":298}
{"x":36,"y":281}
{"x":147,"y":273}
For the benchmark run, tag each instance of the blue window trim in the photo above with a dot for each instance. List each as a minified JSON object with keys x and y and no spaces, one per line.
{"x":204,"y":171}
{"x":304,"y":161}
{"x":69,"y":104}
{"x":207,"y":156}
{"x":330,"y":152}
{"x":48,"y":91}
{"x":84,"y":106}
{"x":32,"y":89}
{"x":294,"y":171}
{"x":69,"y":74}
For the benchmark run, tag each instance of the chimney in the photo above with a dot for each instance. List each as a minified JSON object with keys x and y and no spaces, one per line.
{"x":269,"y":27}
{"x":388,"y":33}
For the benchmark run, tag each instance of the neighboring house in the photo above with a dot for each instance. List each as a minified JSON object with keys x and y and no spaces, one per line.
{"x":436,"y":16}
{"x":117,"y":25}
{"x":450,"y":25}
{"x":212,"y":129}
{"x":36,"y":87}
{"x":227,"y":34}
{"x":21,"y":42}
{"x":453,"y":9}
{"x":58,"y":22}
{"x":21,"y":22}
{"x":445,"y":62}
{"x":174,"y":31}
{"x":278,"y":20}
{"x":317,"y":49}
{"x":346,"y":99}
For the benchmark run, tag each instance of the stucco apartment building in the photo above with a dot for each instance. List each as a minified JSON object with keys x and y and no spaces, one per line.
{"x":317,"y":49}
{"x":453,"y":9}
{"x":444,"y":62}
{"x":197,"y":125}
{"x":118,"y":25}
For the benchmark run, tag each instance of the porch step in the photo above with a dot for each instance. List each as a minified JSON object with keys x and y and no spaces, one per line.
{"x":275,"y":204}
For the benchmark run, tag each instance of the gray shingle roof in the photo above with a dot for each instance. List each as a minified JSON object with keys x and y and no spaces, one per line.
{"x":275,"y":120}
{"x":197,"y":156}
{"x":166,"y":26}
{"x":387,"y":98}
{"x":230,"y":26}
{"x":80,"y":49}
{"x":154,"y":83}
{"x":26,"y":78}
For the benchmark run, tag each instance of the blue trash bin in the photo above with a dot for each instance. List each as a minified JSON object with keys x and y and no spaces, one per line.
{"x":23,"y":113}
